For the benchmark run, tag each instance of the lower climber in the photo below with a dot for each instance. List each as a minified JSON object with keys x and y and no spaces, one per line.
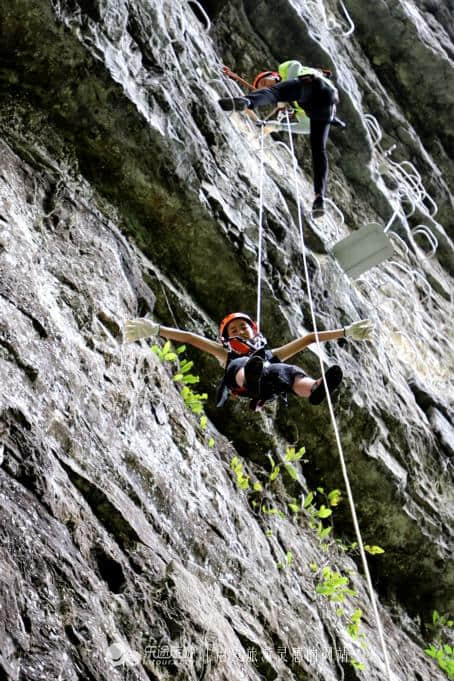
{"x":313,"y":97}
{"x":251,"y":369}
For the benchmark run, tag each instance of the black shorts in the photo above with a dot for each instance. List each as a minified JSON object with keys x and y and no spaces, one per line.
{"x":277,"y":377}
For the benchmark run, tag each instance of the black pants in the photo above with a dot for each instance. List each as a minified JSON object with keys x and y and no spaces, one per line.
{"x":319,"y":102}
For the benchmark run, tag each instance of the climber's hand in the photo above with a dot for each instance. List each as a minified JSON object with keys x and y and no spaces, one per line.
{"x":361,"y":330}
{"x":135,"y":329}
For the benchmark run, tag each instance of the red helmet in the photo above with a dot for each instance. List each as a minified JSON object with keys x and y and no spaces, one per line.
{"x":235,"y":344}
{"x":265,"y":74}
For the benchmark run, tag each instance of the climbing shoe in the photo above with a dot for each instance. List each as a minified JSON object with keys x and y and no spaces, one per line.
{"x":234,"y":103}
{"x":253,"y":371}
{"x":338,"y":123}
{"x":318,"y":208}
{"x":333,"y":377}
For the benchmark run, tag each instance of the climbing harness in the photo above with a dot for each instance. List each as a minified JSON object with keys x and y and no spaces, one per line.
{"x":334,"y":423}
{"x":239,"y":348}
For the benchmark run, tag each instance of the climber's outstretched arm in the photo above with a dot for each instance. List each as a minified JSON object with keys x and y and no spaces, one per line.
{"x":135,"y":329}
{"x":361,"y":330}
{"x":290,"y":349}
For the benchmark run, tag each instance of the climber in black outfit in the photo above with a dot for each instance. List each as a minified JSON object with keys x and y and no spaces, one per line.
{"x":251,"y":369}
{"x":314,"y":96}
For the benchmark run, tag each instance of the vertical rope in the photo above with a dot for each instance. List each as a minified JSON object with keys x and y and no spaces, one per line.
{"x":259,"y":255}
{"x":333,"y":419}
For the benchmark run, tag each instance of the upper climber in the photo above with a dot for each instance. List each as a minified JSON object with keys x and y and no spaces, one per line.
{"x":251,"y":369}
{"x":314,"y":98}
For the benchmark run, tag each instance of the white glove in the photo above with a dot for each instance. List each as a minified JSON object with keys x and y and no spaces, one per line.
{"x":135,"y":329}
{"x":361,"y":330}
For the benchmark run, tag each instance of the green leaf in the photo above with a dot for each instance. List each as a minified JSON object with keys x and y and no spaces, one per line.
{"x":435,"y":616}
{"x":352,"y":629}
{"x":324,"y":512}
{"x":203,"y":422}
{"x":189,"y":379}
{"x":325,"y":532}
{"x":178,"y":377}
{"x":300,"y":453}
{"x":274,"y":473}
{"x":258,"y":487}
{"x":289,"y":454}
{"x":294,"y":507}
{"x":308,"y":500}
{"x":432,"y":651}
{"x":313,"y":567}
{"x":334,"y":497}
{"x":186,"y":365}
{"x":180,"y":349}
{"x":357,"y":615}
{"x":291,"y":471}
{"x":320,"y":489}
{"x":289,"y":557}
{"x":269,"y":533}
{"x":373,"y":549}
{"x":236,"y":465}
{"x":211,"y":442}
{"x":357,"y":665}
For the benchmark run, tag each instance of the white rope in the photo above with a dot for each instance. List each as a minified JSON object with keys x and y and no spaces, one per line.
{"x":259,"y":255}
{"x":333,"y":420}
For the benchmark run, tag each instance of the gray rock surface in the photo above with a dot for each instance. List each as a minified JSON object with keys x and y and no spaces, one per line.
{"x":128,"y":550}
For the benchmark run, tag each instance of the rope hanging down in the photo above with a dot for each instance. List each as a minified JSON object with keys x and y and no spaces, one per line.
{"x":259,"y":255}
{"x":333,"y":420}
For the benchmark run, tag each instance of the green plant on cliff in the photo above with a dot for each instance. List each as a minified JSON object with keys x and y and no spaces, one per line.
{"x":288,"y":560}
{"x":334,"y":586}
{"x":318,"y":504}
{"x":440,"y":649}
{"x":242,"y":480}
{"x":290,"y":455}
{"x":166,"y":353}
{"x":183,"y":376}
{"x":317,"y":514}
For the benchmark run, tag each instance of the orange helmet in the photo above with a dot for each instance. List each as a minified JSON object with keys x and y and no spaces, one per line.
{"x":236,"y":344}
{"x":265,"y":74}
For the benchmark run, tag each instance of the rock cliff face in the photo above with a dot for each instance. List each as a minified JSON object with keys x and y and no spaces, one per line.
{"x":128,"y":547}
